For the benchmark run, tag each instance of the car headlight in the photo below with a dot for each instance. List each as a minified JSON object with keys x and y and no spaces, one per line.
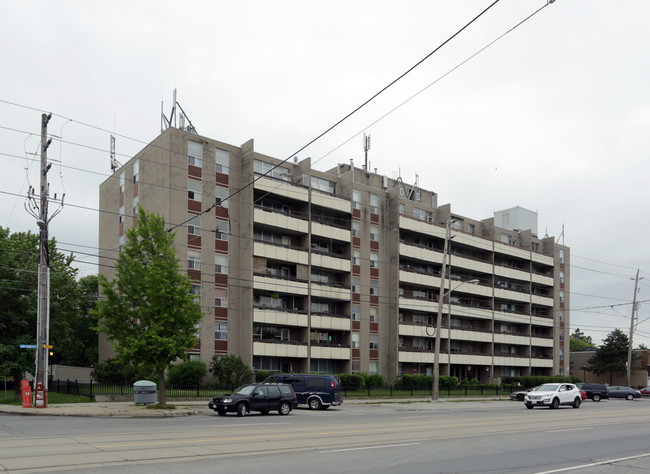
{"x":227,"y":400}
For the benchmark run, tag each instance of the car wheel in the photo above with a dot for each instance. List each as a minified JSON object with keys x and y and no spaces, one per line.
{"x":577,"y":402}
{"x":221,"y":412}
{"x":264,"y":412}
{"x":595,"y":397}
{"x":285,"y":408}
{"x":314,"y":403}
{"x":520,"y":397}
{"x":530,"y":407}
{"x":629,"y":396}
{"x":555,"y":403}
{"x":241,"y":409}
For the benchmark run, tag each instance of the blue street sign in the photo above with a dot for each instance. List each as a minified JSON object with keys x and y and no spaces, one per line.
{"x":28,"y":346}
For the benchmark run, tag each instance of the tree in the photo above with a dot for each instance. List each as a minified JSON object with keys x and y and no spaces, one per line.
{"x":611,"y":357}
{"x":230,"y":370}
{"x":148,"y":312}
{"x":19,"y":257}
{"x":579,"y":341}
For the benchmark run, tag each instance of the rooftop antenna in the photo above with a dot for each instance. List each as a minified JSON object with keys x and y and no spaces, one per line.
{"x":366,"y":147}
{"x":165,"y":122}
{"x":114,"y":163}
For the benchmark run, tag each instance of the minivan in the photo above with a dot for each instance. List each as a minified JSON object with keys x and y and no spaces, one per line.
{"x":317,"y":391}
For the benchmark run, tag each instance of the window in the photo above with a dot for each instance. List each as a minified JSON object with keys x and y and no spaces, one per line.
{"x":374,"y":341}
{"x":374,"y":260}
{"x":561,"y":315}
{"x":323,"y":185}
{"x":194,"y":190}
{"x":374,"y":233}
{"x":221,"y":263}
{"x":222,"y":159}
{"x":194,"y":224}
{"x":135,"y":206}
{"x":121,"y":182}
{"x":456,"y":224}
{"x":356,"y":257}
{"x":471,"y":228}
{"x":221,"y":196}
{"x":373,"y":314}
{"x":136,"y":171}
{"x":193,"y":259}
{"x":422,"y":215}
{"x":356,"y":229}
{"x":355,"y":366}
{"x":561,"y":277}
{"x":121,"y":214}
{"x":373,"y":367}
{"x":402,"y":209}
{"x":561,"y":354}
{"x":221,"y":297}
{"x":220,"y":331}
{"x":221,"y":230}
{"x":194,"y":153}
{"x":262,"y":167}
{"x":356,"y":285}
{"x":356,"y":312}
{"x":355,"y":340}
{"x":561,"y":255}
{"x":195,"y":290}
{"x":374,"y":287}
{"x":356,"y":199}
{"x":561,"y":296}
{"x":374,"y":204}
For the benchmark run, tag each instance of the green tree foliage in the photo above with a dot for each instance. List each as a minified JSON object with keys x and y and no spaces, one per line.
{"x":230,"y":370}
{"x":579,"y":341}
{"x":114,"y":372}
{"x":19,"y":255}
{"x":187,"y":373}
{"x":148,"y":313}
{"x":611,"y":356}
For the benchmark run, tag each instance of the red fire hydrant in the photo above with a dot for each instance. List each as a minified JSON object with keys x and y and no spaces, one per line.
{"x":40,"y":396}
{"x":26,"y":393}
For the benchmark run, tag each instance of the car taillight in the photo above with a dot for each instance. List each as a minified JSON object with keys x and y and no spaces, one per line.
{"x":295,"y":397}
{"x":332,"y":383}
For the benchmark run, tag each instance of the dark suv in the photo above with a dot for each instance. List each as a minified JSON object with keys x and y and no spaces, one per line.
{"x":595,"y":391}
{"x":318,"y":391}
{"x":262,"y":397}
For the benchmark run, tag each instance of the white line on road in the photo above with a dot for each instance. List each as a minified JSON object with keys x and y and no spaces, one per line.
{"x":571,"y":429}
{"x":583,"y":466}
{"x":369,"y":447}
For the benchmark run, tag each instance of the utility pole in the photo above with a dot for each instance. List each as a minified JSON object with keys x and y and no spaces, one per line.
{"x":629,"y":349}
{"x":441,"y":297}
{"x":43,"y":321}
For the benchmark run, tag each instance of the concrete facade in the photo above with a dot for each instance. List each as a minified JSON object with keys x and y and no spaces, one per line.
{"x":339,"y":270}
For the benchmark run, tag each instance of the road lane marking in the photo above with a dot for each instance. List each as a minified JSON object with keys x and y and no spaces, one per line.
{"x":368,"y":447}
{"x":593,"y":464}
{"x":571,"y":429}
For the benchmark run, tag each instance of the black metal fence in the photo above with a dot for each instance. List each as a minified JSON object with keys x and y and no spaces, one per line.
{"x":92,"y":389}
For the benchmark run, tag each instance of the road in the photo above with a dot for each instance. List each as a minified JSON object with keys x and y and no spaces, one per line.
{"x":468,"y":436}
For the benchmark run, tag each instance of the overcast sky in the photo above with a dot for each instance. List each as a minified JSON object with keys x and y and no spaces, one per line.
{"x":554,"y":117}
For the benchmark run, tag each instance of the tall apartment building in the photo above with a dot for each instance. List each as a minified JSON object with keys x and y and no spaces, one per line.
{"x":339,"y":271}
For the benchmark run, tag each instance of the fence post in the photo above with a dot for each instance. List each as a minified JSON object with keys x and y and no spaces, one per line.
{"x":67,"y":388}
{"x":391,"y":391}
{"x":91,"y":389}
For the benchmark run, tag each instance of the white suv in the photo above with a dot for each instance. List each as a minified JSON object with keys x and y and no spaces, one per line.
{"x":553,"y":395}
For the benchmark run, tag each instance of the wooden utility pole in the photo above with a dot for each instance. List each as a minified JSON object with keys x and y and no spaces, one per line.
{"x":629,"y":349}
{"x":43,"y":321}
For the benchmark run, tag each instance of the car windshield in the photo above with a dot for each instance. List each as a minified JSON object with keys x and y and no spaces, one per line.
{"x":548,"y":387}
{"x":245,"y":390}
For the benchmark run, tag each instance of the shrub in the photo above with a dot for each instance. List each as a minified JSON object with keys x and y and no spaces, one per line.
{"x":262,"y":375}
{"x":448,"y":381}
{"x":114,"y":372}
{"x":350,"y":381}
{"x":230,"y":370}
{"x":372,"y":380}
{"x":186,"y":373}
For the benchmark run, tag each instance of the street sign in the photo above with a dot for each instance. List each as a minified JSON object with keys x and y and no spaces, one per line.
{"x":48,"y":346}
{"x":28,"y":346}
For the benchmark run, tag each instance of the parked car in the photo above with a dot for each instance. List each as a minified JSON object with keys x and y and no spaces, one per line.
{"x":553,"y":395}
{"x":317,"y":391}
{"x":262,"y":397}
{"x":618,"y":391}
{"x":645,"y":391}
{"x":595,"y":391}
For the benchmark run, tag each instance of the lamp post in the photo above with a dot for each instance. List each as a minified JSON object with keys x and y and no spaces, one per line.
{"x":441,"y":297}
{"x":584,"y":373}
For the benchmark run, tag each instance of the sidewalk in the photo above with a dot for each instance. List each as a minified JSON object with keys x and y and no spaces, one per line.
{"x":183,"y":407}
